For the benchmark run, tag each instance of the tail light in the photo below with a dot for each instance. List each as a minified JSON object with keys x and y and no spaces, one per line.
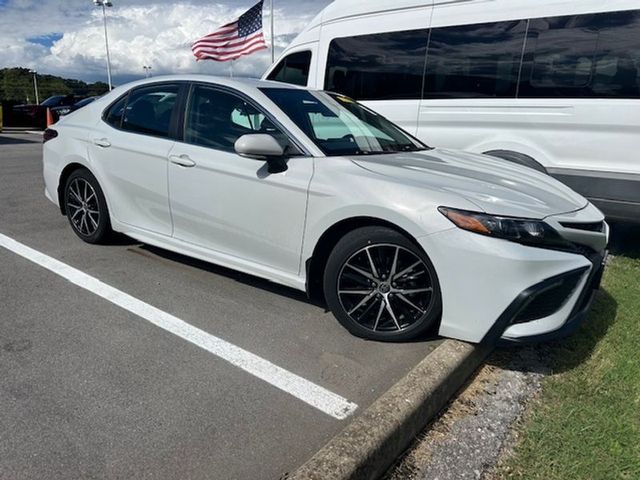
{"x":49,"y":134}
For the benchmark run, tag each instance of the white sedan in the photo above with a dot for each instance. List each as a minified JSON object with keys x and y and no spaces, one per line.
{"x":312,"y":190}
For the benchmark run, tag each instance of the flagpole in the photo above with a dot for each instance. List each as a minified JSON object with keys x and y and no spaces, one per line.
{"x":273,"y":37}
{"x":231,"y":68}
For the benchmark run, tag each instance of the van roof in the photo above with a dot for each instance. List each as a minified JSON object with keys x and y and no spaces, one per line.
{"x":349,"y":8}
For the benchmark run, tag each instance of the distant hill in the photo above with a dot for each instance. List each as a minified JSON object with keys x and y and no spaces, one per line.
{"x":16,"y":85}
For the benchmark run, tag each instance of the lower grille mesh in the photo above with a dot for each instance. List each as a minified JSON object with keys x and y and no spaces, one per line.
{"x":549,"y":301}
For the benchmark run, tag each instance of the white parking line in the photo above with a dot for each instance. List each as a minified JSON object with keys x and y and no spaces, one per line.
{"x":310,"y":393}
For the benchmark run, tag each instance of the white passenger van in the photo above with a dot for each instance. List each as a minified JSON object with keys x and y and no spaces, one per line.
{"x":553,"y":84}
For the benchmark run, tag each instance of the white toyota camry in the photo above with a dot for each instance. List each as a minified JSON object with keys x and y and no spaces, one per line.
{"x":312,"y":190}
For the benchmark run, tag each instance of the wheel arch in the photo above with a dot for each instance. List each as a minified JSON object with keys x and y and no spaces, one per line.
{"x":62,"y":181}
{"x":519,"y":158}
{"x":317,"y":262}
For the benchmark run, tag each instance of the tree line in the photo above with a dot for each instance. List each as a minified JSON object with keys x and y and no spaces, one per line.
{"x":16,"y":85}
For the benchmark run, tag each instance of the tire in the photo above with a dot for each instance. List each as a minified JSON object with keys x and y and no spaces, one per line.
{"x":86,"y":207}
{"x":370,"y":304}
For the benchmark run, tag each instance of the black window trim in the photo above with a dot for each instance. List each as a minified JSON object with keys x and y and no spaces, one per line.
{"x":175,"y":115}
{"x":244,"y":97}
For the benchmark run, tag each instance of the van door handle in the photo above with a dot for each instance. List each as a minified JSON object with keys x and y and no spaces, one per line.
{"x":101,"y":142}
{"x":182,"y":160}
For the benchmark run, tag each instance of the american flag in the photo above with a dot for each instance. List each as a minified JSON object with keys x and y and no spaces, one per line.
{"x":233,"y":40}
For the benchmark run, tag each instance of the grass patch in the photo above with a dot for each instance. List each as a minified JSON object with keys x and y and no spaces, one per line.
{"x":586,"y":422}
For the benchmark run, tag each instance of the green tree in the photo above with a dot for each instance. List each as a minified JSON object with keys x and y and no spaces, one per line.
{"x":16,"y":84}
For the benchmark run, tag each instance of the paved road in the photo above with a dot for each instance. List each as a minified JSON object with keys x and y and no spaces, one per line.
{"x":91,"y":390}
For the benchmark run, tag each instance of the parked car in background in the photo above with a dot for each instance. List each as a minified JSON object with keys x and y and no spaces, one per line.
{"x":63,"y":110}
{"x":35,"y":115}
{"x":312,"y":190}
{"x":57,"y":101}
{"x":551,"y":84}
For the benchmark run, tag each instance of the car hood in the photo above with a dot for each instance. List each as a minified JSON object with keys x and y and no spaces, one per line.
{"x":496,"y":186}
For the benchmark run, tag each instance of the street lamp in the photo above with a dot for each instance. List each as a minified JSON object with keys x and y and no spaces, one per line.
{"x":147,"y":70}
{"x":104,"y":4}
{"x":35,"y":85}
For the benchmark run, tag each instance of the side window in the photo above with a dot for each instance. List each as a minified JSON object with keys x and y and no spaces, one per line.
{"x":560,"y":57}
{"x":149,"y":110}
{"x":583,"y":56}
{"x":293,"y":69}
{"x":475,"y":61}
{"x":114,"y":115}
{"x":386,"y":66}
{"x":216,"y":119}
{"x":617,"y":62}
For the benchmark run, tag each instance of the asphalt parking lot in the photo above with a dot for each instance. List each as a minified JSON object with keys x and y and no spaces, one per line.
{"x":93,"y":390}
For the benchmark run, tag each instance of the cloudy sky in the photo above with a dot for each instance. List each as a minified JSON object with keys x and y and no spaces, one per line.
{"x":65,"y":37}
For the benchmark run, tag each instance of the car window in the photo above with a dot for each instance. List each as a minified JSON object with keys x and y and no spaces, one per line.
{"x":216,"y":119}
{"x":475,"y":61}
{"x":340,"y":126}
{"x":578,"y":56}
{"x":382,"y":66}
{"x":53,"y":101}
{"x":149,"y":110}
{"x":293,"y":69}
{"x":114,"y":114}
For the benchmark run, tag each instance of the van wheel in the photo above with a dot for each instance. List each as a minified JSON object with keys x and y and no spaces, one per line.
{"x":86,"y":207}
{"x":381,"y":286}
{"x":519,"y":158}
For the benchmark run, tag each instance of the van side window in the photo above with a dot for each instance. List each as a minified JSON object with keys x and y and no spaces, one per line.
{"x":583,"y":56}
{"x":293,"y":69}
{"x":475,"y":61}
{"x":617,"y":63}
{"x":386,"y":66}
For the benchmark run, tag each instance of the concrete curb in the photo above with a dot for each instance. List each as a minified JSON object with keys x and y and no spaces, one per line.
{"x":370,"y":444}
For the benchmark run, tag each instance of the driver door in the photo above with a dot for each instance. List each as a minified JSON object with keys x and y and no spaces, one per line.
{"x":230,"y":204}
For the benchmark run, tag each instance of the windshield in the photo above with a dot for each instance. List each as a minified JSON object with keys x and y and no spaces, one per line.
{"x":84,"y":102}
{"x":339,"y":125}
{"x":52,"y":101}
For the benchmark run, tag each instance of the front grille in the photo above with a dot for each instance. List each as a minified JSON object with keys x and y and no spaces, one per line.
{"x":597,"y":227}
{"x":550,"y":300}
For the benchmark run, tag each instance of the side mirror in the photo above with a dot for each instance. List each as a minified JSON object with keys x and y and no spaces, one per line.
{"x":261,"y":146}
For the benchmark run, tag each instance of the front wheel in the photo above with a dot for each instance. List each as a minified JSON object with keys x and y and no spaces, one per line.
{"x":381,"y":286}
{"x":86,"y":207}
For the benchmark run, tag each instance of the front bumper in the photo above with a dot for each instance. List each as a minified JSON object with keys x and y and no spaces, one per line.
{"x":577,"y":315}
{"x":486,"y":283}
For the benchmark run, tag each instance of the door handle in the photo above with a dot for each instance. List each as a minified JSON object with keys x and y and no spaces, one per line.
{"x":101,"y":142}
{"x":182,"y":160}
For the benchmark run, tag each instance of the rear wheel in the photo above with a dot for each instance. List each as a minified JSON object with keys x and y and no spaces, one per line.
{"x":86,"y":207}
{"x":381,"y":286}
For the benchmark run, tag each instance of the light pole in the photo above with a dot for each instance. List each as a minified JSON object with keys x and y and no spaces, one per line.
{"x":104,"y":4}
{"x":273,"y":37}
{"x":35,"y":85}
{"x":147,"y":70}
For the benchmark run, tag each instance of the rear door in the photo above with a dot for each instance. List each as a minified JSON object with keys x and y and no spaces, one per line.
{"x":130,"y":148}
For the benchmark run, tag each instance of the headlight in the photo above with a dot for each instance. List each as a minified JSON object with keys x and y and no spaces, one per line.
{"x":521,"y":230}
{"x":64,"y":111}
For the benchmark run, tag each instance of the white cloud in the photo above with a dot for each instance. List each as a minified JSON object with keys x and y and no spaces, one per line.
{"x":140,"y":33}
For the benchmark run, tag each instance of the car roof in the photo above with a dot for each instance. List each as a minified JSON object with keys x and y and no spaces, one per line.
{"x":237,"y":83}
